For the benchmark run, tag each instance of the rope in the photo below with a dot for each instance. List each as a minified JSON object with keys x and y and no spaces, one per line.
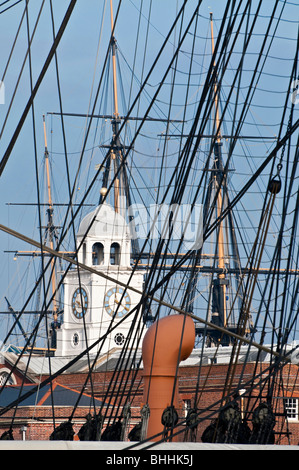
{"x":64,"y":23}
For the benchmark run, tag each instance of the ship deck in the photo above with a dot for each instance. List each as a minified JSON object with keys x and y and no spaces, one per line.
{"x":106,"y":447}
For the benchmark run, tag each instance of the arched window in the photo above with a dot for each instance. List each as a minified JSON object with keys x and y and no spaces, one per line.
{"x":115,"y":254}
{"x":97,"y":254}
{"x":4,"y":374}
{"x":84,"y":253}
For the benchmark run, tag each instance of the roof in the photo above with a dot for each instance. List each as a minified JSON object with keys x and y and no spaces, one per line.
{"x":60,"y":394}
{"x":103,"y":222}
{"x":41,"y":365}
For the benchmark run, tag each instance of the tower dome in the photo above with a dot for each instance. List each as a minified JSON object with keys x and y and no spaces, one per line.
{"x":104,"y":238}
{"x":104,"y":222}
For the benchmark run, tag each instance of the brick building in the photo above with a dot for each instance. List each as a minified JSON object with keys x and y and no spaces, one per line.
{"x":201,"y":378}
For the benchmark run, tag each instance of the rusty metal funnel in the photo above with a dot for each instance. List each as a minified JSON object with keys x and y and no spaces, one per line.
{"x":167,"y":342}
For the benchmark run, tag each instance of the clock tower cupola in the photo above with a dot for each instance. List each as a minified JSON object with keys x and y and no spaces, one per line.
{"x":93,"y":304}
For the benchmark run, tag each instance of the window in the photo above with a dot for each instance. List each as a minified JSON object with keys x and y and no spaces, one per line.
{"x":187,"y":407}
{"x":291,"y":408}
{"x":119,"y":339}
{"x":4,"y":374}
{"x":75,"y":340}
{"x":84,"y":253}
{"x":115,"y":254}
{"x":97,"y":254}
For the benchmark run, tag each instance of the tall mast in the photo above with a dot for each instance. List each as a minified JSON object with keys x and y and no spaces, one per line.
{"x":50,"y":226}
{"x":122,"y":198}
{"x":113,"y":43}
{"x":217,"y":121}
{"x":116,"y":152}
{"x":221,"y":282}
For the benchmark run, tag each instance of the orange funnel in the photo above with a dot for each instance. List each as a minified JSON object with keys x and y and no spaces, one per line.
{"x":167,"y":342}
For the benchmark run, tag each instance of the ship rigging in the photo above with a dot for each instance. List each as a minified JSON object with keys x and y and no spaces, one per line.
{"x":238,"y":288}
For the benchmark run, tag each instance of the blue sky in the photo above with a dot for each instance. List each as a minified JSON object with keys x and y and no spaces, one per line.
{"x":79,"y":65}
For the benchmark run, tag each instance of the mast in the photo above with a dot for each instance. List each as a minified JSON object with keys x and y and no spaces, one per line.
{"x":219,"y":284}
{"x":113,"y":44}
{"x":50,"y":225}
{"x":116,"y":149}
{"x":217,"y":121}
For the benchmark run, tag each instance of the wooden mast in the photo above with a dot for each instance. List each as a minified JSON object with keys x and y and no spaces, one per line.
{"x":114,"y":64}
{"x":220,"y":241}
{"x":215,"y":87}
{"x":115,"y":121}
{"x":50,"y":225}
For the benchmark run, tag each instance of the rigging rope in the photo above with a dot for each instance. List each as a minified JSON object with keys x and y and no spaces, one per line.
{"x":17,"y":131}
{"x":177,"y":195}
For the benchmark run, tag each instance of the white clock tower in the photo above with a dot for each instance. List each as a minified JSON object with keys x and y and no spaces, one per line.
{"x":93,"y":304}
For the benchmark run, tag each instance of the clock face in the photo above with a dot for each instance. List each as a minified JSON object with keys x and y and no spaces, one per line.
{"x":79,"y":302}
{"x":116,"y":301}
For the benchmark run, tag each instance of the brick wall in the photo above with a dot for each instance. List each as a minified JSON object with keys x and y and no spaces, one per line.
{"x":206,"y":384}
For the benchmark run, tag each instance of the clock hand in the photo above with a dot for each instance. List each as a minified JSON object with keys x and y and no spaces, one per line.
{"x":126,"y":308}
